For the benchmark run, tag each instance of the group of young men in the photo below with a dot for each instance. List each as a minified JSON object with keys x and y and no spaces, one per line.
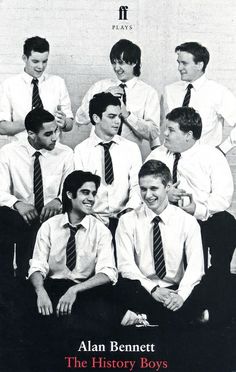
{"x":77,"y":219}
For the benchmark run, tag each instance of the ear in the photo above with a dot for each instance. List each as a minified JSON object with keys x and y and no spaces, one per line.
{"x":24,"y":58}
{"x":168,"y":186}
{"x":96,"y":118}
{"x":31,"y":134}
{"x":69,"y":195}
{"x":189,"y":135}
{"x":200,"y":66}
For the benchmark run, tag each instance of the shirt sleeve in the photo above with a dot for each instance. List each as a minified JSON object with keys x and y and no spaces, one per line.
{"x":6,"y":197}
{"x":221,"y":180}
{"x":195,"y":260}
{"x":39,"y":261}
{"x":134,"y":192}
{"x":67,"y":169}
{"x":5,"y":104}
{"x":82,"y":114}
{"x":147,"y":127}
{"x":105,"y":262}
{"x":126,"y":252}
{"x":65,"y":101}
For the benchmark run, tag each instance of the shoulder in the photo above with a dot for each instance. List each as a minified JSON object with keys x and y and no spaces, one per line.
{"x":84,"y":144}
{"x":175,"y":85}
{"x":100,"y":227}
{"x":103,"y":84}
{"x":12,"y":80}
{"x":12,"y":148}
{"x":179,"y":216}
{"x":60,"y":148}
{"x":125,"y":143}
{"x":158,"y":153}
{"x":54,"y":78}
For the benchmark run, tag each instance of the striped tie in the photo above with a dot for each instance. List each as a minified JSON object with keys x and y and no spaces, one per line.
{"x":36,"y":100}
{"x":109,"y":175}
{"x":71,"y":248}
{"x":38,"y":184}
{"x":123,"y":86}
{"x":177,"y":156}
{"x":187,"y":96}
{"x":159,"y":260}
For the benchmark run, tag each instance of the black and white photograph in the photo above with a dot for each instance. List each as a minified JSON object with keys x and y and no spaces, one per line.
{"x":117,"y":185}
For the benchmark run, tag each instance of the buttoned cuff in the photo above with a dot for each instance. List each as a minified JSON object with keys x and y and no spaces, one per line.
{"x":112,"y":274}
{"x":226,"y":146}
{"x":35,"y":266}
{"x":201,"y":212}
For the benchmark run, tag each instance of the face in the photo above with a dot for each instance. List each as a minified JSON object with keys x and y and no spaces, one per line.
{"x":189,"y":70}
{"x":109,"y":124}
{"x":85,"y":198}
{"x":36,"y":63}
{"x":175,"y":139}
{"x":123,"y":70}
{"x":154,"y":193}
{"x":46,"y":138}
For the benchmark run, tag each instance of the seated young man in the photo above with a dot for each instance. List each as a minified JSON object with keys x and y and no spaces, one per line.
{"x":32,"y":172}
{"x":152,"y":242}
{"x":73,"y":266}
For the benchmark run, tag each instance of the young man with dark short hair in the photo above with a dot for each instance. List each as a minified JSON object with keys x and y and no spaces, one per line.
{"x":152,"y":242}
{"x":32,"y":172}
{"x":140,"y":111}
{"x":73,"y":265}
{"x":33,"y":89}
{"x":214,"y":102}
{"x":115,"y":159}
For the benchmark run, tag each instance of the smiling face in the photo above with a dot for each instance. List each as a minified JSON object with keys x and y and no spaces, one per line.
{"x":84,"y":201}
{"x":107,"y":126}
{"x":36,"y":63}
{"x":189,"y":70}
{"x":123,"y":70}
{"x":154,"y":193}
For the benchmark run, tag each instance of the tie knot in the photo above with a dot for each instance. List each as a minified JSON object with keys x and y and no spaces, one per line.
{"x":73,"y":229}
{"x":106,"y":145}
{"x":123,"y":86}
{"x":156,"y":220}
{"x":35,"y":81}
{"x":37,"y":154}
{"x":190,"y":86}
{"x":177,"y":155}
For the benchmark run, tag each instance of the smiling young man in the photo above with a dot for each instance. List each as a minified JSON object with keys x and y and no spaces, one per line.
{"x":140,"y":111}
{"x":151,"y":244}
{"x":32,"y":171}
{"x":33,"y":89}
{"x":215,"y":103}
{"x":115,"y":159}
{"x":73,"y":265}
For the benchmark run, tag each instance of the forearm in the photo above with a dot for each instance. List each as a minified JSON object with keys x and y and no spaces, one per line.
{"x":95,"y":281}
{"x":145,"y":129}
{"x":68,"y":125}
{"x":37,"y":281}
{"x":11,"y":128}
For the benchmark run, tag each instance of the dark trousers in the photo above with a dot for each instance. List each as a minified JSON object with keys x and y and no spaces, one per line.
{"x":132,"y":296}
{"x":14,"y":230}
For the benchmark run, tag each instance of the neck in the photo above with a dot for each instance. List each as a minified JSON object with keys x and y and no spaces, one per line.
{"x":197,"y":77}
{"x":162,"y":207}
{"x":188,"y":145}
{"x":103,"y":136}
{"x":75,"y":217}
{"x":33,"y":144}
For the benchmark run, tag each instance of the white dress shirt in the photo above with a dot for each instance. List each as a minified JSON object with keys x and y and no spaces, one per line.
{"x":126,"y":159}
{"x":17,"y":168}
{"x":214,"y":102}
{"x":142,"y":102}
{"x":94,"y":250}
{"x":16,"y":97}
{"x":180,"y":233}
{"x":204,"y":172}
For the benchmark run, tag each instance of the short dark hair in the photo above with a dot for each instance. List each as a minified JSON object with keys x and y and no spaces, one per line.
{"x":188,"y":120}
{"x":35,"y":119}
{"x":73,"y":182}
{"x":127,"y":51}
{"x":35,"y":43}
{"x":199,"y":52}
{"x":99,"y":103}
{"x":157,"y":169}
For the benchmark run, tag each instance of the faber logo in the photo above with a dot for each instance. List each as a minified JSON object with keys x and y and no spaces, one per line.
{"x":123,"y":10}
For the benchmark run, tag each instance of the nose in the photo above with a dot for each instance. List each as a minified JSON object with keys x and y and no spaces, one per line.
{"x":116,"y":66}
{"x":40,"y":65}
{"x":91,"y":197}
{"x":180,"y":67}
{"x":166,"y":132}
{"x":117,"y":120}
{"x":54,"y":137}
{"x":148,"y":194}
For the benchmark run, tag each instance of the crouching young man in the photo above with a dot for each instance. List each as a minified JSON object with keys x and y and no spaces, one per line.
{"x":160,"y":255}
{"x":73,"y":265}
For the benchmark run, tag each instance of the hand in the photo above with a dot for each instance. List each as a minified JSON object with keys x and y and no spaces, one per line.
{"x":116,"y":91}
{"x":124,"y":112}
{"x":27,"y":211}
{"x":60,"y":118}
{"x":174,"y":302}
{"x":162,"y":294}
{"x":123,"y":212}
{"x":44,"y":303}
{"x":191,"y":207}
{"x":66,"y":302}
{"x":175,"y":194}
{"x":50,"y":209}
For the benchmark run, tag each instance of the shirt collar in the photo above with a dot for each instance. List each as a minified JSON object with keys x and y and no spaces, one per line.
{"x":130,"y":83}
{"x":188,"y":153}
{"x":97,"y":140}
{"x":164,"y":215}
{"x":31,"y":150}
{"x":198,"y":83}
{"x":28,"y":78}
{"x":65,"y":221}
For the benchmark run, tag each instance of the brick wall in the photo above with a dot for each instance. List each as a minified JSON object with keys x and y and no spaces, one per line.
{"x":81,"y":35}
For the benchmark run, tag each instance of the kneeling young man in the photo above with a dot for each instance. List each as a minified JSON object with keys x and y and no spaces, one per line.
{"x":152,"y":242}
{"x":73,"y":263}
